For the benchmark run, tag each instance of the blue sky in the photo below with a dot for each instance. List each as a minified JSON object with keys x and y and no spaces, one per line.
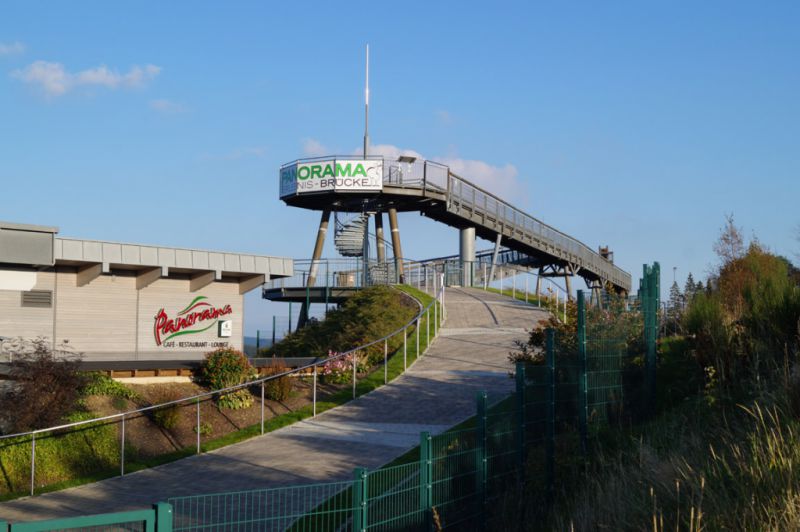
{"x":629,"y":124}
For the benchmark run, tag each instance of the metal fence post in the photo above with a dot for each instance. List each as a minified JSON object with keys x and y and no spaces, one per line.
{"x":435,"y":316}
{"x":386,"y":361}
{"x":360,"y":495}
{"x":417,"y":331}
{"x":198,"y":425}
{"x":163,"y":517}
{"x":262,"y":407}
{"x":583,"y":406}
{"x":519,"y":375}
{"x":314,"y":393}
{"x":33,"y":462}
{"x":273,"y":330}
{"x":426,"y":477}
{"x":550,"y":411}
{"x":427,"y":327}
{"x":481,"y":463}
{"x":122,"y":448}
{"x":405,"y":349}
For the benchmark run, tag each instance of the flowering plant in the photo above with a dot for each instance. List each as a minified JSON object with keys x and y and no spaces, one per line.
{"x":339,"y":370}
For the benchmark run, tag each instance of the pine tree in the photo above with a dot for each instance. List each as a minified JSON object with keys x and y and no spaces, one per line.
{"x":689,"y":289}
{"x":675,"y":308}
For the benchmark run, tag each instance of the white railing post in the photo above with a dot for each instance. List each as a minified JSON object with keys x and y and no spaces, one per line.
{"x":33,"y":462}
{"x":526,"y":287}
{"x":405,"y":350}
{"x":385,"y":360}
{"x":314,"y":393}
{"x":198,"y":425}
{"x":435,"y":315}
{"x":262,"y":407}
{"x":417,"y":329}
{"x":427,"y":328}
{"x":122,"y":449}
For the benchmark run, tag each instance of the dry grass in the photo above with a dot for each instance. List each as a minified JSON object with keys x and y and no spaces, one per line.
{"x":696,"y":469}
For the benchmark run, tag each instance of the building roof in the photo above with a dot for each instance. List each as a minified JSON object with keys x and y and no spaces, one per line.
{"x":35,"y":245}
{"x":134,"y":256}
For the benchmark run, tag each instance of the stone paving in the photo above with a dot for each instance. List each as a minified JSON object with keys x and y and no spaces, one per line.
{"x":437,"y":392}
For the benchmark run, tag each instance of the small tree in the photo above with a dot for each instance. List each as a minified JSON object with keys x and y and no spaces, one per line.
{"x":675,"y":307}
{"x":689,"y":289}
{"x":46,"y":385}
{"x":730,"y":244}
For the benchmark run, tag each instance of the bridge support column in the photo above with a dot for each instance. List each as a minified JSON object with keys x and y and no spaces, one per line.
{"x":313,"y":270}
{"x":380,"y":248}
{"x":467,"y":255}
{"x":494,"y":258}
{"x":555,"y":270}
{"x":398,"y":249}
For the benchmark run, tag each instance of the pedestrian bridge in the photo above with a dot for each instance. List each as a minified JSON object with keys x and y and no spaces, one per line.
{"x":375,"y":184}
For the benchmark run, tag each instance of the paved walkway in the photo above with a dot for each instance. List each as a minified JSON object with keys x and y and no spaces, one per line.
{"x":436,"y":393}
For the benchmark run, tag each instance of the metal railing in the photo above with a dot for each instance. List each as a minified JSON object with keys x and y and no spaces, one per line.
{"x":433,"y":315}
{"x":468,"y":200}
{"x":588,"y":382}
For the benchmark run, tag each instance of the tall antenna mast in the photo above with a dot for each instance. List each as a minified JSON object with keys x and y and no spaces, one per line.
{"x":366,"y":108}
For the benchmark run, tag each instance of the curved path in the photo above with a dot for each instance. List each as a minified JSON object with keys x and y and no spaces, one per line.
{"x":437,"y":392}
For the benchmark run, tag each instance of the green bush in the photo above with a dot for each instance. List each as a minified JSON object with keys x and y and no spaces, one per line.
{"x":224,"y":368}
{"x":167,"y":417}
{"x":205,"y":429}
{"x":60,"y":456}
{"x":101,"y":384}
{"x":277,"y":389}
{"x":370,"y":314}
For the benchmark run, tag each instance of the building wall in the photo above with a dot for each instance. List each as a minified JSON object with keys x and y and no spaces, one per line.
{"x":109,"y":319}
{"x":16,"y":320}
{"x":173,"y":295}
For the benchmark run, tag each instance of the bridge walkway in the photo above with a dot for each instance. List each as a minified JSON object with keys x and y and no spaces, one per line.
{"x":436,"y":393}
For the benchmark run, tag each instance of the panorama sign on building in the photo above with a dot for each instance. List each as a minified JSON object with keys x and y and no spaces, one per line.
{"x":334,"y":175}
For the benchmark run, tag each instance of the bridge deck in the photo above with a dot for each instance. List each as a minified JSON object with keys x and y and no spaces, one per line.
{"x":437,"y":193}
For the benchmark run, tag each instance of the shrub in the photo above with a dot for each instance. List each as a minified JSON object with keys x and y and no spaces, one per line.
{"x":101,"y":384}
{"x":225,"y":367}
{"x":46,"y":387}
{"x":235,"y":400}
{"x":205,"y":429}
{"x":277,"y":389}
{"x":167,"y":417}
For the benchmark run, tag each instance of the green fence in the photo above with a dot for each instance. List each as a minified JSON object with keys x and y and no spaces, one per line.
{"x":584,"y":383}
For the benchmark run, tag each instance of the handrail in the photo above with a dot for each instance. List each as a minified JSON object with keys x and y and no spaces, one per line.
{"x":420,"y":178}
{"x":236,"y":387}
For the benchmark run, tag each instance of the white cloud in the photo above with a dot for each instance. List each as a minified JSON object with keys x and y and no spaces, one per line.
{"x":54,"y":80}
{"x":12,"y":48}
{"x":500,"y":180}
{"x":168,"y":107}
{"x":389,"y":151}
{"x":314,"y":148}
